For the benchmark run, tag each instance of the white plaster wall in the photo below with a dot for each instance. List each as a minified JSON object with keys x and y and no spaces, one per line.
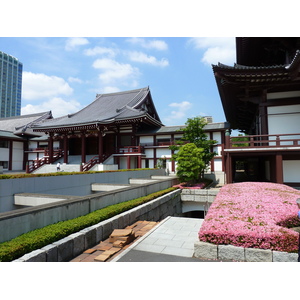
{"x":217,"y":137}
{"x":149,"y":153}
{"x":160,"y":153}
{"x":32,"y":145}
{"x":4,"y":154}
{"x":284,"y":119}
{"x":146,"y":140}
{"x":291,"y":170}
{"x":17,"y":156}
{"x":123,"y":163}
{"x":218,"y":164}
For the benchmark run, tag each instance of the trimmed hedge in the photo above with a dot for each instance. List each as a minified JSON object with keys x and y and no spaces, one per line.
{"x":41,"y":237}
{"x":21,"y":175}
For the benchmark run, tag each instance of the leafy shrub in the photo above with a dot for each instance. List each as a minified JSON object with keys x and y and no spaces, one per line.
{"x":189,"y":163}
{"x":39,"y":238}
{"x":252,"y":215}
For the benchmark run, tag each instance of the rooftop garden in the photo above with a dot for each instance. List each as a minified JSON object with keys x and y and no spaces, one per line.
{"x":253,"y":215}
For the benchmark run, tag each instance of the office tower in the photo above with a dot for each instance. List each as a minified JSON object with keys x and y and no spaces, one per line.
{"x":10,"y":85}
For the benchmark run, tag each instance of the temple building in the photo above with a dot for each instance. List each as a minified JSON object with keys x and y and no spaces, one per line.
{"x":260,"y":95}
{"x":116,"y":131}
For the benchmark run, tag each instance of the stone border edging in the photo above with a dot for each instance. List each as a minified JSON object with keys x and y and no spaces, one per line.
{"x":233,"y":253}
{"x":71,"y":246}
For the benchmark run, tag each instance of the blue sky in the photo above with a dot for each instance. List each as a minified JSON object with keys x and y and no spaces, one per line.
{"x":64,"y":74}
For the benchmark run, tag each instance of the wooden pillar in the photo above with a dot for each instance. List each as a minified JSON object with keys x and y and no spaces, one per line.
{"x":10,"y":158}
{"x":83,"y":148}
{"x":212,"y":161}
{"x":263,"y":114}
{"x":100,"y":147}
{"x":228,"y":171}
{"x":139,"y":161}
{"x":66,"y":158}
{"x":50,"y":146}
{"x":279,"y":168}
{"x":154,"y":151}
{"x":25,"y":154}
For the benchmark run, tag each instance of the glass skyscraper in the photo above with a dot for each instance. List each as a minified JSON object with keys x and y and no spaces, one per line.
{"x":10,"y":85}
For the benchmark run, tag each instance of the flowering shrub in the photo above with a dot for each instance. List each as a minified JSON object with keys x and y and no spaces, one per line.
{"x":253,"y":215}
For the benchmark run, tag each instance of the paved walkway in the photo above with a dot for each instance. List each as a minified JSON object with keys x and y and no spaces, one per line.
{"x":171,"y":240}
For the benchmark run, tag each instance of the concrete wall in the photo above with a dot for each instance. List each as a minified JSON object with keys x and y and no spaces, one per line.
{"x":197,"y":200}
{"x":17,"y":222}
{"x":72,"y":185}
{"x":73,"y":245}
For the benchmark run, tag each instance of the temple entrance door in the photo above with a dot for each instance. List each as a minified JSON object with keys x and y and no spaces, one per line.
{"x":74,"y":146}
{"x":92,"y":146}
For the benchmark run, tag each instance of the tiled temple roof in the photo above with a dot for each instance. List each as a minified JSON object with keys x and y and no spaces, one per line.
{"x":106,"y":109}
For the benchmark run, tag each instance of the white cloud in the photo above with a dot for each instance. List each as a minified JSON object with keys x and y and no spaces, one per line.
{"x":110,"y":89}
{"x":58,"y":106}
{"x":39,"y":86}
{"x":74,"y":42}
{"x":147,"y":59}
{"x":100,"y":51}
{"x":113,"y":70}
{"x":75,"y":79}
{"x":179,"y":112}
{"x":149,"y":44}
{"x":216,"y":49}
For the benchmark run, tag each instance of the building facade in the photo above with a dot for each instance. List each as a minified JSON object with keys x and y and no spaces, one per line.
{"x":16,"y":137}
{"x":260,"y":95}
{"x":10,"y":85}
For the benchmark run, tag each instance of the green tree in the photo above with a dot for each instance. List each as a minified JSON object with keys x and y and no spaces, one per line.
{"x":240,"y":141}
{"x":189,"y":163}
{"x":194,"y":133}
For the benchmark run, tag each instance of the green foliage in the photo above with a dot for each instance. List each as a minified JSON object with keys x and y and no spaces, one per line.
{"x":194,"y":133}
{"x":39,"y":238}
{"x":240,"y":141}
{"x":189,"y":163}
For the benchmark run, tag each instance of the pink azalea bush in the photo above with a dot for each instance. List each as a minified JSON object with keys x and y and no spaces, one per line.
{"x":253,"y":215}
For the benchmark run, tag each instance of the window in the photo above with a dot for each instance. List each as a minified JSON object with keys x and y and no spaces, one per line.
{"x":3,"y":144}
{"x":4,"y":164}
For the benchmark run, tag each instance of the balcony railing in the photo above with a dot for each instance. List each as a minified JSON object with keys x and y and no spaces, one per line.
{"x":131,"y":149}
{"x":263,"y":141}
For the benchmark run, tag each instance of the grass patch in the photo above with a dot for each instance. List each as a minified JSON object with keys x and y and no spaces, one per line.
{"x":41,"y":237}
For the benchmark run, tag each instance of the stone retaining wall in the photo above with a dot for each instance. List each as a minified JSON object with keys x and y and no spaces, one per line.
{"x":233,"y":253}
{"x":17,"y":222}
{"x":198,"y":199}
{"x":74,"y":244}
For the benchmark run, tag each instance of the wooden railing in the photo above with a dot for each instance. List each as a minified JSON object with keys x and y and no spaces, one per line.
{"x":87,"y":166}
{"x":131,"y":149}
{"x":35,"y":164}
{"x":263,"y":141}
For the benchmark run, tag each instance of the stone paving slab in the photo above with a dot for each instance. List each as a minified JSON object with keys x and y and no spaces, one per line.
{"x":173,"y":236}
